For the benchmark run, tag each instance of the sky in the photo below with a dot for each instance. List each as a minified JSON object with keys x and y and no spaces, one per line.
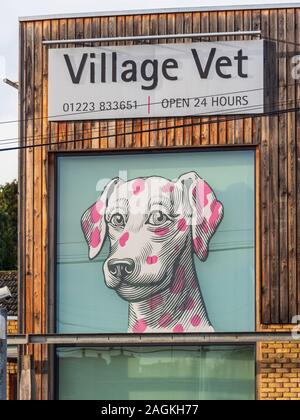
{"x":12,"y":10}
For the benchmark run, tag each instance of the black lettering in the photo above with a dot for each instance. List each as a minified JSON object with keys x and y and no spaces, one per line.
{"x":215,"y":101}
{"x":245,"y":100}
{"x":238,"y":101}
{"x":129,"y":75}
{"x":103,"y":67}
{"x":240,"y":58}
{"x":165,"y":103}
{"x":231,"y":101}
{"x":186,"y":102}
{"x":76,"y":78}
{"x":92,"y":67}
{"x":223,"y":62}
{"x":223,"y":101}
{"x":169,"y":64}
{"x":204,"y":73}
{"x":153,"y":77}
{"x":114,"y":67}
{"x":172,"y":102}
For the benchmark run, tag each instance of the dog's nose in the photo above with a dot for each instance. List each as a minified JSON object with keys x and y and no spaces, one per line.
{"x":121,"y":268}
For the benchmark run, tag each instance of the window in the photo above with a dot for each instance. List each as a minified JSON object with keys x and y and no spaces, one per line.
{"x":157,"y":373}
{"x":87,"y":300}
{"x":190,"y":248}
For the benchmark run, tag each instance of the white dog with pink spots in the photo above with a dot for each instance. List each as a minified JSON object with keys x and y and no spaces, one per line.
{"x":155,"y":226}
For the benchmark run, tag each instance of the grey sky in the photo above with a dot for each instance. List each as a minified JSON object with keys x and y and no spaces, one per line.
{"x":11,"y":10}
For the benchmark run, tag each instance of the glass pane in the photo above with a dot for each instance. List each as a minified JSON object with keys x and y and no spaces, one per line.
{"x":226,"y":278}
{"x":157,"y":373}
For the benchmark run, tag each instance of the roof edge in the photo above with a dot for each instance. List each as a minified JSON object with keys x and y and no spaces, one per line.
{"x":161,"y":11}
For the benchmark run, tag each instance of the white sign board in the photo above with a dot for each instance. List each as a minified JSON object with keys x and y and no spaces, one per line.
{"x":164,"y":80}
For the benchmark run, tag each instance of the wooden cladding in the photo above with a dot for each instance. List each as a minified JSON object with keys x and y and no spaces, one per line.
{"x":275,"y":136}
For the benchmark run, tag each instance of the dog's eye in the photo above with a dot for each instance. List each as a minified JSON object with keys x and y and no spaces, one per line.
{"x":117,"y":220}
{"x":158,"y":218}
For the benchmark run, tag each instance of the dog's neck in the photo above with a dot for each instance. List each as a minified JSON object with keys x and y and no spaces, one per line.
{"x":178,"y":309}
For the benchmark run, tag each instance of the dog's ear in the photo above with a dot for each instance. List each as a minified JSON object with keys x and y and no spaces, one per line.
{"x":93,"y":222}
{"x":206,"y":211}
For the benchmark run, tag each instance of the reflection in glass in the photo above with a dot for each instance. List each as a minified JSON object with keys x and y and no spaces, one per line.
{"x":158,"y":373}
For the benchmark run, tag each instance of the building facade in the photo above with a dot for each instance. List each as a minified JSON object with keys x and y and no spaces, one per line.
{"x":159,"y":200}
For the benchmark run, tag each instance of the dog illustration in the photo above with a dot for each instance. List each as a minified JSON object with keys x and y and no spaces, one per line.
{"x":155,"y":226}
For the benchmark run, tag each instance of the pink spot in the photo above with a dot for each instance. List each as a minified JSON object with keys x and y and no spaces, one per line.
{"x":180,"y":273}
{"x":168,"y":188}
{"x":204,"y":226}
{"x":152,"y":260}
{"x":182,"y":225}
{"x":216,"y":211}
{"x":165,"y":320}
{"x":140,"y":326}
{"x":95,"y":214}
{"x":177,"y":287}
{"x":155,"y":302}
{"x":178,"y":284}
{"x":95,"y":238}
{"x":188,"y":305}
{"x":161,"y":231}
{"x":178,"y":328}
{"x":196,"y":320}
{"x":177,"y":248}
{"x":207,"y":189}
{"x":138,"y":186}
{"x":99,"y":206}
{"x":194,"y":284}
{"x":198,"y":245}
{"x":123,"y":240}
{"x":202,"y":191}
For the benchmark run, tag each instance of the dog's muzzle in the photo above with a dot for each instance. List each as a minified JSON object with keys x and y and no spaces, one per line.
{"x":121,"y":269}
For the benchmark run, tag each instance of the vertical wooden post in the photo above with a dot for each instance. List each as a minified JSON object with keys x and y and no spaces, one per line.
{"x":27,"y":380}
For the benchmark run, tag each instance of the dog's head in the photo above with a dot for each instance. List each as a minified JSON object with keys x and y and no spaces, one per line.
{"x":150,"y":222}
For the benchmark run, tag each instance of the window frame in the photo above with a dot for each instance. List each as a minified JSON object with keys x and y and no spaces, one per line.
{"x":51,"y":273}
{"x":167,"y":345}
